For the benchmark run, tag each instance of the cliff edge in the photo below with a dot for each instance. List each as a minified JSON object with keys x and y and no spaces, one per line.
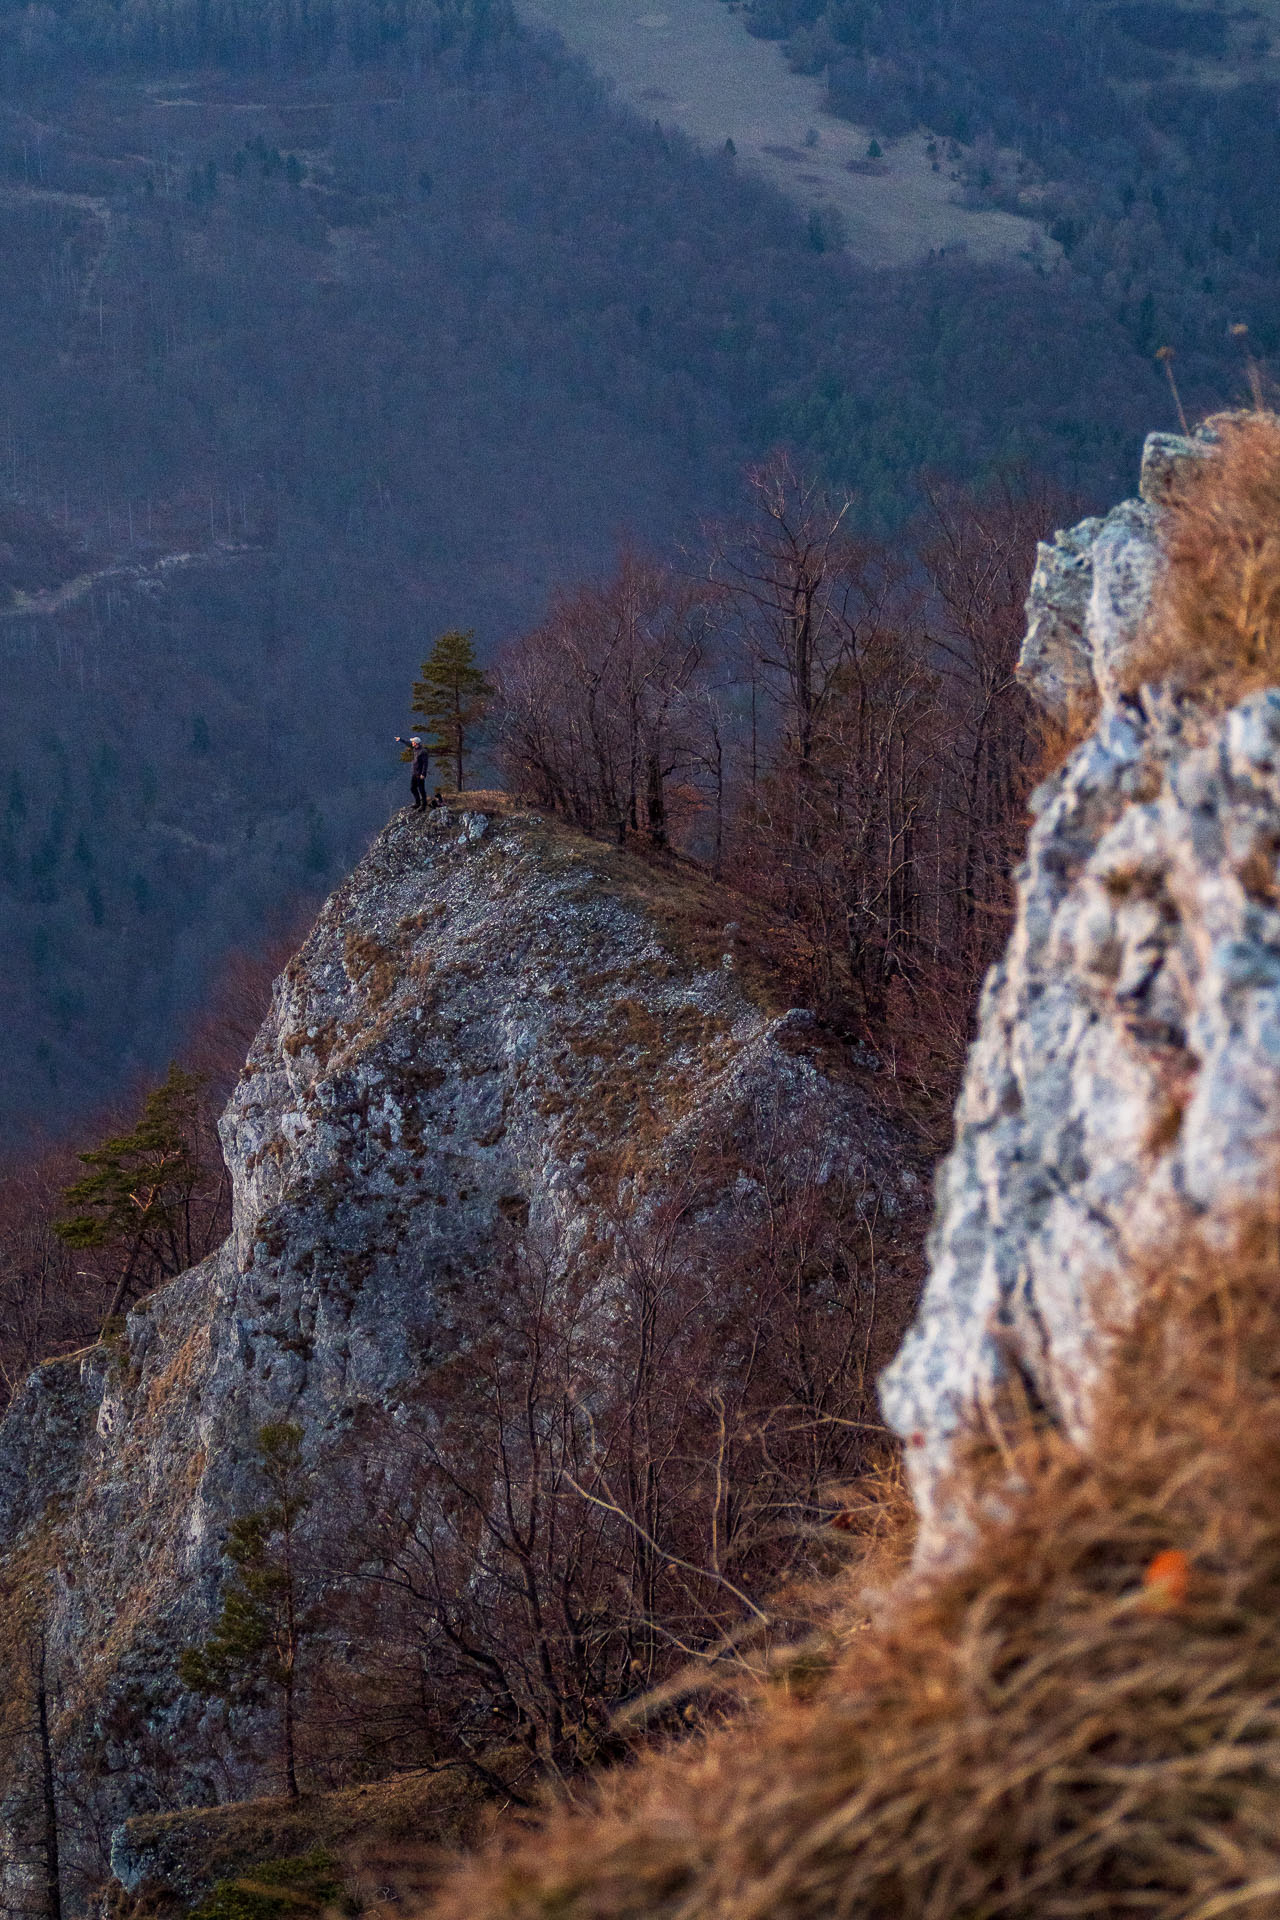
{"x":496,"y":1028}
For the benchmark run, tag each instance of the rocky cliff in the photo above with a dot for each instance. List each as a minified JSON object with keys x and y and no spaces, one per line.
{"x":495,"y":1028}
{"x":1071,"y":1707}
{"x":1121,"y":1106}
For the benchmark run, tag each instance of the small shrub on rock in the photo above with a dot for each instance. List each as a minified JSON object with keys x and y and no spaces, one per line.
{"x":306,"y":1885}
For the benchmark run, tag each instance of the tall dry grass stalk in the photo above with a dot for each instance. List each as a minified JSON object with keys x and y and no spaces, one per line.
{"x":1082,"y":1720}
{"x":1214,"y":625}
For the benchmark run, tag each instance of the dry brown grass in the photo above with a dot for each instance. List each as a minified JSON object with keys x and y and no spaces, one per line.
{"x":1214,"y":626}
{"x":1082,"y":1720}
{"x":393,"y":1832}
{"x":1054,"y":741}
{"x":370,"y":966}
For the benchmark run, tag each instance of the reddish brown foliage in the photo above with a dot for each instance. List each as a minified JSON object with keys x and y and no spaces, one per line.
{"x":834,"y":727}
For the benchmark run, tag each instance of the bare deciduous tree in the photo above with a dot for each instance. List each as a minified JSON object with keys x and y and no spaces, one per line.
{"x":847,"y":739}
{"x":624,"y":1457}
{"x":594,"y":707}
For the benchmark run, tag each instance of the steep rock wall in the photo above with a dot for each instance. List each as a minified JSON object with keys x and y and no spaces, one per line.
{"x":494,"y":1025}
{"x":1121,"y":1104}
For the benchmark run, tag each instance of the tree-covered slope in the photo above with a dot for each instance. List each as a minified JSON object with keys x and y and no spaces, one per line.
{"x":1144,"y":135}
{"x":318,"y":339}
{"x":279,"y":35}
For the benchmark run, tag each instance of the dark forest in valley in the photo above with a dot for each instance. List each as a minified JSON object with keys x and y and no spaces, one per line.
{"x":322,"y":332}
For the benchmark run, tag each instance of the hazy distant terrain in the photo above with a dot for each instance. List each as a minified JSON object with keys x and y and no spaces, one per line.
{"x":320,"y":333}
{"x":1144,"y":138}
{"x":261,"y":440}
{"x":689,"y":64}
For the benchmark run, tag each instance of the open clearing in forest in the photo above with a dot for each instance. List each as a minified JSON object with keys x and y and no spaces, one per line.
{"x":692,"y":64}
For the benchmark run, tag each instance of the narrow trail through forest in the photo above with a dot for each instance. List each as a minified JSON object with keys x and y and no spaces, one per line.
{"x":50,"y":600}
{"x":692,"y":64}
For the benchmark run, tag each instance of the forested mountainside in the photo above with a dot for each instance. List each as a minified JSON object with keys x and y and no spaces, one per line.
{"x":324,"y":330}
{"x":1144,"y":135}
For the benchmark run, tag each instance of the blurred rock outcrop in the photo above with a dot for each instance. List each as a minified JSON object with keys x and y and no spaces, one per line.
{"x":1121,"y":1106}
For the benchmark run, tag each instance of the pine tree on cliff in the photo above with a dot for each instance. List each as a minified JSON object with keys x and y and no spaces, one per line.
{"x":452,"y":696}
{"x":259,"y":1633}
{"x":136,"y":1203}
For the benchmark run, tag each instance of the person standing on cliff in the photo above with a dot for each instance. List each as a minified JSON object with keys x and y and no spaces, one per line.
{"x":421,"y":767}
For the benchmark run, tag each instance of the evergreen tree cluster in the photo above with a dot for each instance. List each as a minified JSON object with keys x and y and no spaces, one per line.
{"x":268,"y":35}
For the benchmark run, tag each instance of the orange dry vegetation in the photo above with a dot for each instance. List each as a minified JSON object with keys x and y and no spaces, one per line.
{"x":1083,"y":1719}
{"x":1214,"y":626}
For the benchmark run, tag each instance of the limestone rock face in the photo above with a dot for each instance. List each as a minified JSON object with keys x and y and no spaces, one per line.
{"x":1122,"y":1101}
{"x":492,"y":1025}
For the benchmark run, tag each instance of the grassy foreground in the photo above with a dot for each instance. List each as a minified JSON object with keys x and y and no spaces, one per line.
{"x":1082,"y":1719}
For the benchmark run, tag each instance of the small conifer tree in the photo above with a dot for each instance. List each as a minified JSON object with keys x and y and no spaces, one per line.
{"x":257,"y":1638}
{"x":452,"y":696}
{"x":135,"y":1203}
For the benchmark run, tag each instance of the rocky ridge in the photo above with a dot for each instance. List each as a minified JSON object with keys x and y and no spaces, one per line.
{"x":1121,"y":1104}
{"x":495,"y":1026}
